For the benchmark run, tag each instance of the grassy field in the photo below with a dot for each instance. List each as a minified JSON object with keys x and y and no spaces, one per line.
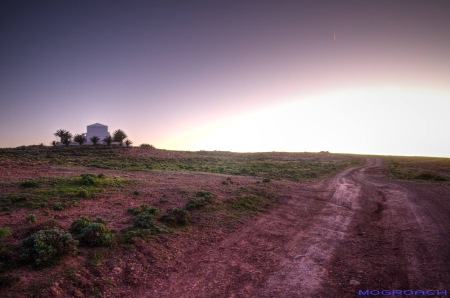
{"x":419,"y":168}
{"x":294,"y":166}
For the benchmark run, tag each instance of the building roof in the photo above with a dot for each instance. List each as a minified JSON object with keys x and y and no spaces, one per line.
{"x":98,"y":124}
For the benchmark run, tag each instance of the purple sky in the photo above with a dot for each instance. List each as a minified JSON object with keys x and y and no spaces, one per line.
{"x":182,"y":74}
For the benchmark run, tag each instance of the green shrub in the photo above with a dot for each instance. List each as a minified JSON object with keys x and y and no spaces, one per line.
{"x":4,"y":232}
{"x":195,"y":203}
{"x":83,"y":193}
{"x":29,"y":183}
{"x":101,"y":176}
{"x":207,"y":195}
{"x":136,"y":192}
{"x":47,"y":246}
{"x":144,"y":221}
{"x":31,"y":218}
{"x":266,"y":180}
{"x":147,"y":146}
{"x":224,"y":182}
{"x":79,"y":224}
{"x":429,"y":176}
{"x":176,"y":216}
{"x":144,"y":208}
{"x":91,"y":233}
{"x":88,"y":179}
{"x":95,"y":234}
{"x":48,"y":212}
{"x":58,"y":206}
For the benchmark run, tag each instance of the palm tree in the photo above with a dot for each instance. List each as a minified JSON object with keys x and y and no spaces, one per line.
{"x":80,"y":139}
{"x":108,"y":140}
{"x":63,"y":134}
{"x":128,"y":143}
{"x":118,"y":136}
{"x":95,"y":140}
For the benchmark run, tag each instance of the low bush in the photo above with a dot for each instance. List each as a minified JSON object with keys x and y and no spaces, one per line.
{"x":144,"y":221}
{"x":29,"y":183}
{"x":205,"y":197}
{"x":430,"y":176}
{"x":88,"y":179}
{"x":136,"y":192}
{"x":95,"y":234}
{"x":91,"y":232}
{"x":47,"y":246}
{"x":144,"y":208}
{"x":147,"y":146}
{"x":4,"y":232}
{"x":58,"y":206}
{"x":101,"y":176}
{"x":79,"y":224}
{"x":31,"y":218}
{"x":176,"y":216}
{"x":83,"y":193}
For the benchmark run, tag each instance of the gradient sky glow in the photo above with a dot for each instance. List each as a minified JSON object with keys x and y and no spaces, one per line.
{"x":230,"y":75}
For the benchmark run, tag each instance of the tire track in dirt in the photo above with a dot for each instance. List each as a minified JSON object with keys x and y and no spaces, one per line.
{"x":281,"y":254}
{"x":399,"y":241}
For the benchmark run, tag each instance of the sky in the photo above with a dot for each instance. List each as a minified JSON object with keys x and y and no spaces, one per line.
{"x":365,"y":77}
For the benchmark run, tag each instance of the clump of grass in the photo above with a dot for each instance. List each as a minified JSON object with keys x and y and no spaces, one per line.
{"x":176,"y":216}
{"x":31,"y":218}
{"x":136,"y":192}
{"x":204,"y":198}
{"x":58,"y":206}
{"x":48,"y":212}
{"x":266,"y":180}
{"x":4,"y":232}
{"x":83,"y":193}
{"x":88,"y":179}
{"x":29,"y":183}
{"x":144,"y":208}
{"x":47,"y":246}
{"x":252,"y":203}
{"x":101,"y":176}
{"x":224,"y":182}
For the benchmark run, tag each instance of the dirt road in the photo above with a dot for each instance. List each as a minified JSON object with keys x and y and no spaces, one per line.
{"x":354,"y":231}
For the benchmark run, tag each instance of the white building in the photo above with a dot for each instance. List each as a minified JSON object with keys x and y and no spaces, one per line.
{"x":96,"y":129}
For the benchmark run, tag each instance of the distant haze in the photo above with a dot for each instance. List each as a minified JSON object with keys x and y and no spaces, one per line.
{"x":344,"y":76}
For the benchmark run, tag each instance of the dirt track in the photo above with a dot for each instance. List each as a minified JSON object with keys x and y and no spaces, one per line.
{"x":329,"y":238}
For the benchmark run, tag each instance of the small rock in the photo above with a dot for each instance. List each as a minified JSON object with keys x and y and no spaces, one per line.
{"x":77,"y":293}
{"x":117,"y":270}
{"x":354,"y":282}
